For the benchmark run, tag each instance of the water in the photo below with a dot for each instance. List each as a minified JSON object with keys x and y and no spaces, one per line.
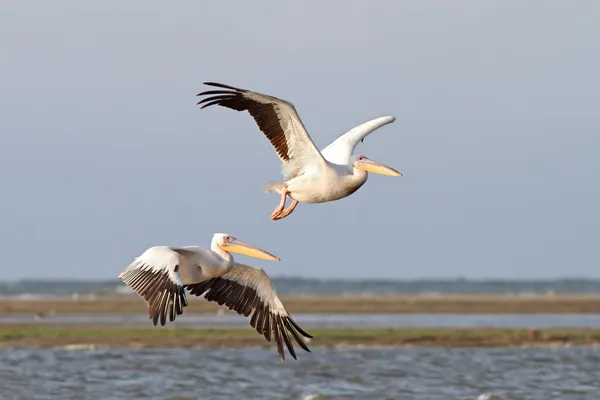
{"x":566,"y":373}
{"x":36,"y":288}
{"x":332,"y":321}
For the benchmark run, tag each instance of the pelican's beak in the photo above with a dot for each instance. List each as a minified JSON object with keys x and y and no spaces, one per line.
{"x":375,"y":167}
{"x":237,"y":246}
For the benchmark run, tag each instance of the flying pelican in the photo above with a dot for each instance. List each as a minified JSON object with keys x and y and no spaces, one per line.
{"x":161,"y":274}
{"x":310,"y":175}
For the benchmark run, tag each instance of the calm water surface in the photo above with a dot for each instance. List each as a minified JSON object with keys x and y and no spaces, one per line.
{"x":566,"y":373}
{"x":335,"y":321}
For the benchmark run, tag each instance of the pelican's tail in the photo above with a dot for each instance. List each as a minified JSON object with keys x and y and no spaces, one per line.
{"x":274,"y":187}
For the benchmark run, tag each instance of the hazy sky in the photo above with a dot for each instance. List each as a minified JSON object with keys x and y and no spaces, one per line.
{"x":104,"y":153}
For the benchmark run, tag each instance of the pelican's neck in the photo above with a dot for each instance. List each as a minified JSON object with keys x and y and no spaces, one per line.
{"x":359,"y":175}
{"x":351,"y":180}
{"x":226,"y":256}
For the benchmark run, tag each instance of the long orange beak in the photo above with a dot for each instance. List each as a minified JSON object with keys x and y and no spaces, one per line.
{"x":375,"y":167}
{"x":237,"y":246}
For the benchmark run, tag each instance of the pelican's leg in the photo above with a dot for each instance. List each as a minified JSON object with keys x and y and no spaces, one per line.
{"x":280,"y":206}
{"x":287,"y":211}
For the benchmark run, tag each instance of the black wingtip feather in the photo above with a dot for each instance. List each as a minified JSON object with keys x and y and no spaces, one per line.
{"x":221,"y":85}
{"x":263,"y":110}
{"x":302,"y":332}
{"x":164,"y":297}
{"x":219,"y":92}
{"x":295,"y":334}
{"x":211,"y":98}
{"x":278,"y":339}
{"x":245,"y":300}
{"x":286,"y":338}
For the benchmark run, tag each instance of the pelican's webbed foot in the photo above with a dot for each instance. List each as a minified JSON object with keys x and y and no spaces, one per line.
{"x":285,"y":212}
{"x":278,"y":210}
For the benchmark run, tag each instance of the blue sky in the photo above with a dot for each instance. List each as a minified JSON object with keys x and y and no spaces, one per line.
{"x":104,"y":153}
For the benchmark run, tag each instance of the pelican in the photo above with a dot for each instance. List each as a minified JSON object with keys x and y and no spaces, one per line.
{"x":161,"y":274}
{"x":310,"y":175}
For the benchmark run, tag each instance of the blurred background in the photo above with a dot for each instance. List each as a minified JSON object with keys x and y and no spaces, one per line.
{"x":489,"y":241}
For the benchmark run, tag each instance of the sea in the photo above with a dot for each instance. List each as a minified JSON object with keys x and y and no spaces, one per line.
{"x":548,"y":373}
{"x":304,"y":286}
{"x":560,"y":372}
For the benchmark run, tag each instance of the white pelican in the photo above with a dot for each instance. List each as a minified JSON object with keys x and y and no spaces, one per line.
{"x":161,"y":274}
{"x":310,"y":175}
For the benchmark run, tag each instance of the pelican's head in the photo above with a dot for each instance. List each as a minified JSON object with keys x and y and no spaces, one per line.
{"x":362,"y":162}
{"x":232,"y":245}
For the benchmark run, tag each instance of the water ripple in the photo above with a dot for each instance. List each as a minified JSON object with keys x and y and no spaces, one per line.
{"x":348,"y":373}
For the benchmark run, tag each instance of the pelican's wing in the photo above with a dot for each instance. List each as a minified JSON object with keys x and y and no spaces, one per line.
{"x":154,"y":276}
{"x":248,"y":290}
{"x":276,"y":118}
{"x":341,"y":149}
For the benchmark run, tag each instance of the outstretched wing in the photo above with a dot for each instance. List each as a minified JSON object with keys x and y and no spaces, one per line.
{"x":248,"y":290}
{"x":341,"y":149}
{"x":276,"y":118}
{"x":154,"y":276}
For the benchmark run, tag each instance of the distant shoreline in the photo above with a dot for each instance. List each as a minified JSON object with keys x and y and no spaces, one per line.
{"x":98,"y":336}
{"x":321,"y":304}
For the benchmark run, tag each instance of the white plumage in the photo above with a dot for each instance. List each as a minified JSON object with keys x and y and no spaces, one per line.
{"x":340,"y":150}
{"x":310,"y":175}
{"x":162,"y":274}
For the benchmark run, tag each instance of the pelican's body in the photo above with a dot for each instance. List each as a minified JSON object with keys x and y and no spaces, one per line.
{"x":162,"y":273}
{"x":332,"y":182}
{"x":310,"y":175}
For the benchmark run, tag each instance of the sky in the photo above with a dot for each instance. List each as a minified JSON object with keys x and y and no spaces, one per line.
{"x":104,"y":153}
